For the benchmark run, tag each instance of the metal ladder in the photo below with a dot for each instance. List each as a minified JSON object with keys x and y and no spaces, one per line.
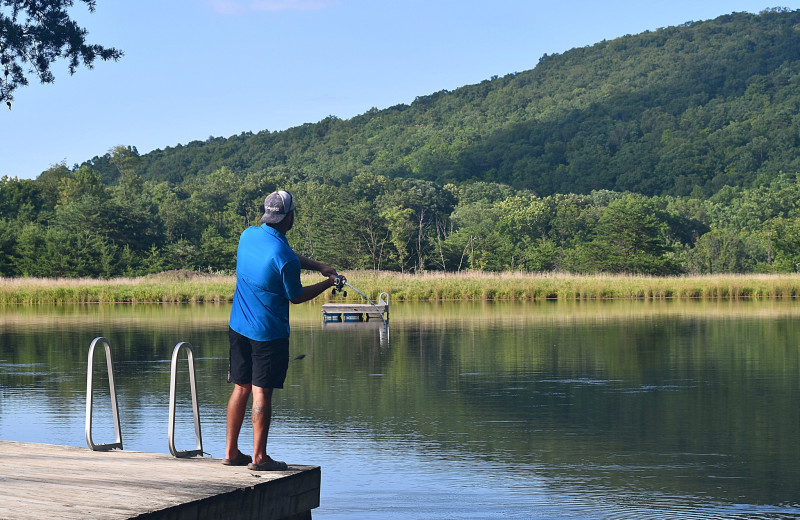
{"x":198,"y":436}
{"x":112,"y":390}
{"x":115,"y":408}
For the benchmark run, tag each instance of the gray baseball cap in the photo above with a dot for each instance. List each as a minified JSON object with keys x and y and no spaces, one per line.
{"x":277,"y":205}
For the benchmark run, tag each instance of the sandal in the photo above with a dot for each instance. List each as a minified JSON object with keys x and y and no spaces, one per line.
{"x":239,"y":460}
{"x":268,"y":465}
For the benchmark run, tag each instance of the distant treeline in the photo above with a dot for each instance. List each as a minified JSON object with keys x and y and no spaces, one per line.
{"x":68,"y":223}
{"x":668,"y":152}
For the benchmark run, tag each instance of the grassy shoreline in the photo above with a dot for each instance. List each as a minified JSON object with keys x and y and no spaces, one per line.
{"x":185,"y":287}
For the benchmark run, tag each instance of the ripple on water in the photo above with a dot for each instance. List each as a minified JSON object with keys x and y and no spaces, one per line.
{"x":23,"y":369}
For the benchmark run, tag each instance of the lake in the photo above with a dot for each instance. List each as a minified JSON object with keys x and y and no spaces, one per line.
{"x":581,"y":410}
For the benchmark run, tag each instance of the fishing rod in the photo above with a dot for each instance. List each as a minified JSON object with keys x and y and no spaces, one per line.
{"x":339,"y":286}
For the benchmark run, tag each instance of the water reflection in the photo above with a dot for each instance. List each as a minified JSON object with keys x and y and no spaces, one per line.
{"x":556,"y":410}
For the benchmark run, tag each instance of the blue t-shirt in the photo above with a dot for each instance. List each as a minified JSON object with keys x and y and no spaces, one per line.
{"x":267,"y":277}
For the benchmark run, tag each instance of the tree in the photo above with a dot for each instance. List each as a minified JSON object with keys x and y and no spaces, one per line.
{"x":81,"y":182}
{"x":401,"y":232}
{"x":781,"y":239}
{"x":422,"y":203}
{"x":311,"y":235}
{"x":523,"y":220}
{"x":630,"y":238}
{"x":216,"y":252}
{"x":480,"y":244}
{"x":371,"y":233}
{"x":34,"y":34}
{"x":722,"y":251}
{"x":126,"y":160}
{"x":8,"y":243}
{"x":16,"y":193}
{"x":180,"y":217}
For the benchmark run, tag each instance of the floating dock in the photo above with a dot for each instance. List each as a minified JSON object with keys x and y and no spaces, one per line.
{"x":357,"y":312}
{"x":46,"y":481}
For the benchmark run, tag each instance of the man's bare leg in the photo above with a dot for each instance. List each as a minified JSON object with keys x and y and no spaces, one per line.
{"x":262,"y":417}
{"x":237,"y":406}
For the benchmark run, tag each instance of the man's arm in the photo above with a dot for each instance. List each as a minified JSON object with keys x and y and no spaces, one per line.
{"x":313,"y":265}
{"x":312,"y":291}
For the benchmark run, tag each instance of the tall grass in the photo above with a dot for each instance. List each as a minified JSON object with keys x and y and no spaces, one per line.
{"x":563,"y":286}
{"x":181,"y":287}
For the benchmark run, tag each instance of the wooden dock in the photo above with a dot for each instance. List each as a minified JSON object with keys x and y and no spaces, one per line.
{"x":357,"y":312}
{"x":342,"y":311}
{"x":40,"y":481}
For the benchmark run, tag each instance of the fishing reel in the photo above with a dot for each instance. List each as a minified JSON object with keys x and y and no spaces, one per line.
{"x":339,"y":286}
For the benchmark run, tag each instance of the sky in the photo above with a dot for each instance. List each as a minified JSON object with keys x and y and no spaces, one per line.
{"x":195,"y":69}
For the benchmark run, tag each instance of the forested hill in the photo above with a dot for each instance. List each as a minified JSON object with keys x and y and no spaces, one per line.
{"x":693,"y":107}
{"x":534,"y":171}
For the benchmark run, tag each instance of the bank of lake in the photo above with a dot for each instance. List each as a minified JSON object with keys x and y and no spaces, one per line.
{"x":195,"y":287}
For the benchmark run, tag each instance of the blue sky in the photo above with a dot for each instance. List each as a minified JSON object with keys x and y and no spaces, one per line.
{"x":199,"y":68}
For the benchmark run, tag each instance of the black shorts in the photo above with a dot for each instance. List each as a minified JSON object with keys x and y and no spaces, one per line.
{"x":262,"y":363}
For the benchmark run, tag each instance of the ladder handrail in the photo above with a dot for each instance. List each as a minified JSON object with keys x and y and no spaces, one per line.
{"x":112,"y":391}
{"x":384,"y":301}
{"x":195,"y":408}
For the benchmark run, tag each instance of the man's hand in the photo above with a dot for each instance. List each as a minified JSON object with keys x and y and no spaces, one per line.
{"x":312,"y":291}
{"x":327,"y":270}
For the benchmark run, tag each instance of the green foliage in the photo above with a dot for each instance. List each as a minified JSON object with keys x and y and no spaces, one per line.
{"x":723,"y":251}
{"x":57,"y":252}
{"x":19,"y":196}
{"x":630,"y":237}
{"x":8,"y":245}
{"x":33,"y":35}
{"x":524,"y":221}
{"x":664,"y":153}
{"x":215,"y":251}
{"x":678,"y":111}
{"x":400,"y":224}
{"x":781,"y":239}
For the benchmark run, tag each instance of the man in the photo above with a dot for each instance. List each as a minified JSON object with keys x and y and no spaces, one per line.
{"x":267,"y":279}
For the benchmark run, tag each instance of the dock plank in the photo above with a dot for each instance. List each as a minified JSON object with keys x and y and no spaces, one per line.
{"x":47,"y":481}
